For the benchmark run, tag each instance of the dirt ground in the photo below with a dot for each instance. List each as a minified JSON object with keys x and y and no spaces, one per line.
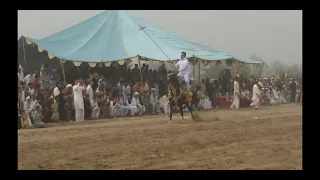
{"x":270,"y":138}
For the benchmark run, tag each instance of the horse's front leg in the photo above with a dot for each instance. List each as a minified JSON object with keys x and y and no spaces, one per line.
{"x":189,"y":108}
{"x":170,"y":109}
{"x":181,"y":110}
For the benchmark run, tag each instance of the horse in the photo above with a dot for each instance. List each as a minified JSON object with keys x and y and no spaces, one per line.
{"x":178,"y":95}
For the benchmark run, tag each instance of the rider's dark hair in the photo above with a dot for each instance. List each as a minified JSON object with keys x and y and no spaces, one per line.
{"x":184,"y":53}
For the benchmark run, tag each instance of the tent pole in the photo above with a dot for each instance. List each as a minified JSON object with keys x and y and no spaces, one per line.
{"x":199,"y":71}
{"x":24,"y":53}
{"x":194,"y":68}
{"x":63,"y":73}
{"x":139,"y":63}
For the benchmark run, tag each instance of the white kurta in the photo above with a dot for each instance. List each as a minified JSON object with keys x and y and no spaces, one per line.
{"x":154,"y":103}
{"x":78,"y":102}
{"x":95,"y":109}
{"x":236,"y":94}
{"x":56,"y":92}
{"x":184,"y":70}
{"x":78,"y":96}
{"x":207,"y":103}
{"x":27,"y":79}
{"x":133,"y":107}
{"x":20,"y":75}
{"x":255,"y":96}
{"x":89,"y":91}
{"x":164,"y":104}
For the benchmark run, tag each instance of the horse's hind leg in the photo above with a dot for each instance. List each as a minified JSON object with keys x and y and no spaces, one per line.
{"x":181,"y":110}
{"x":189,"y":108}
{"x":170,"y":110}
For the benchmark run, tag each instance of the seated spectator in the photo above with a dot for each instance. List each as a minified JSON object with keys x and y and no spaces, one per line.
{"x":38,"y":118}
{"x":132,"y":105}
{"x":124,"y":106}
{"x":115,"y":108}
{"x":129,"y":88}
{"x":136,"y":101}
{"x":164,"y":104}
{"x":95,"y":108}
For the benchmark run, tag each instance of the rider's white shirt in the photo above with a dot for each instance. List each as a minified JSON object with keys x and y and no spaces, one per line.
{"x":183,"y":66}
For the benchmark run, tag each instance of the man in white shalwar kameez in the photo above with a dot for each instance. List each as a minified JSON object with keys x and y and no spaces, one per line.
{"x":164,"y":104}
{"x":236,"y":94}
{"x":255,"y":96}
{"x":95,"y":108}
{"x":154,"y":101}
{"x":133,"y":106}
{"x":184,"y":69}
{"x":89,"y":90}
{"x":78,"y":101}
{"x":28,"y":109}
{"x":135,"y":100}
{"x":56,"y":90}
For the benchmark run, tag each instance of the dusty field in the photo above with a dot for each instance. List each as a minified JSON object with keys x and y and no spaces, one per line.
{"x":270,"y":138}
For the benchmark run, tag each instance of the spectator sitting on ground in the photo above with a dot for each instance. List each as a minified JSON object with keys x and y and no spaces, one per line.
{"x":38,"y":118}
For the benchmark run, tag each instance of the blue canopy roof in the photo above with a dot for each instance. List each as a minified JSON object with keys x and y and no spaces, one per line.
{"x":248,"y":61}
{"x":116,"y":35}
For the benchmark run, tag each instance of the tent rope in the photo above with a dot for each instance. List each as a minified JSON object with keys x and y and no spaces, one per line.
{"x":142,"y":28}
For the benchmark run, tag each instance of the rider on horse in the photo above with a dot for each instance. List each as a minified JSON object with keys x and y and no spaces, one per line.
{"x":184,"y":69}
{"x":179,"y":86}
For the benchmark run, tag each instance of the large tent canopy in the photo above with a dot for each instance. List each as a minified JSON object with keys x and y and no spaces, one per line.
{"x":117,"y":36}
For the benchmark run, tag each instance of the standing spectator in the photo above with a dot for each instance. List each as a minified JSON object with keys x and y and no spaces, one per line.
{"x":30,"y":89}
{"x":20,"y":74}
{"x":89,"y":90}
{"x":129,"y":88}
{"x":39,"y":97}
{"x":236,"y":94}
{"x":27,"y":78}
{"x":136,"y":74}
{"x":101,"y":101}
{"x":95,"y":109}
{"x":128,"y":77}
{"x":164,"y":103}
{"x":150,"y":76}
{"x":61,"y":106}
{"x":56,"y":90}
{"x":255,"y":95}
{"x":293,"y":90}
{"x":209,"y":89}
{"x":55,"y":108}
{"x":69,"y":106}
{"x":154,"y":101}
{"x":87,"y":107}
{"x":78,"y":91}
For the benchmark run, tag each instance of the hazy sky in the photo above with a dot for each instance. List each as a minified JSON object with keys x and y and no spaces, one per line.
{"x":272,"y":35}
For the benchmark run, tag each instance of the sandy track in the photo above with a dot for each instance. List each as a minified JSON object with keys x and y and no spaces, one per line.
{"x":270,"y":138}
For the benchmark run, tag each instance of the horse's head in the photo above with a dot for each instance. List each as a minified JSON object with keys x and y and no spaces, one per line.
{"x":172,"y":76}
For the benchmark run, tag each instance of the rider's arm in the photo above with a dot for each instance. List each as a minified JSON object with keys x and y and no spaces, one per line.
{"x":177,"y":65}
